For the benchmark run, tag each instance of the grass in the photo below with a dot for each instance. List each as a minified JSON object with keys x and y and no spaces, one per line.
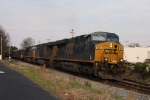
{"x":64,"y":89}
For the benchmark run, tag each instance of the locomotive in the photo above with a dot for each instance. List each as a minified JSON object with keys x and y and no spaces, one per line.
{"x":98,"y":53}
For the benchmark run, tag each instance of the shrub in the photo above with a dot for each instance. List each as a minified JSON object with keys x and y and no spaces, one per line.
{"x":130,"y":68}
{"x":141,"y":68}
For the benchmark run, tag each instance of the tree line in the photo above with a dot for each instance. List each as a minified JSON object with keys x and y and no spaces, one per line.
{"x":5,"y":43}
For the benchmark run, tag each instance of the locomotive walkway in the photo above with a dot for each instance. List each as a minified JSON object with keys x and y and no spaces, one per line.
{"x":15,"y":86}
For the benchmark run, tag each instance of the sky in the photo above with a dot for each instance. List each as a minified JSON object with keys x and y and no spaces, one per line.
{"x":54,"y":19}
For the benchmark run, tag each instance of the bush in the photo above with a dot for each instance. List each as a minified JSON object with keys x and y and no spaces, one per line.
{"x":141,"y":68}
{"x":129,"y":68}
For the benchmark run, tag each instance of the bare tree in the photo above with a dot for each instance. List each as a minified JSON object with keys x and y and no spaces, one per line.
{"x":5,"y":41}
{"x":27,"y":42}
{"x":134,"y":45}
{"x":10,"y":51}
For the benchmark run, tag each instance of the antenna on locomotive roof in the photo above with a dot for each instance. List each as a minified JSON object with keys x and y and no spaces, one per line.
{"x":39,"y":42}
{"x":72,"y":32}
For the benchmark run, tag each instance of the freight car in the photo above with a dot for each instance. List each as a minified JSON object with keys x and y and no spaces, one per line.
{"x":19,"y":54}
{"x":99,"y":54}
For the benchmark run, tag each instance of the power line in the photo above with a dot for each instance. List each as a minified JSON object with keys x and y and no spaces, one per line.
{"x":34,"y":30}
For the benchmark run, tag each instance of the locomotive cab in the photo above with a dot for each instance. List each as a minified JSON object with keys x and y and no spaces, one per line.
{"x":108,"y":56}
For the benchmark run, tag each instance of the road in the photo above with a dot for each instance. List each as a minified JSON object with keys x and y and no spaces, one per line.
{"x":15,"y":86}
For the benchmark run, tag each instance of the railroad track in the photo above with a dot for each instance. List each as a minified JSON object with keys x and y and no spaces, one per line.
{"x":132,"y":85}
{"x":137,"y":86}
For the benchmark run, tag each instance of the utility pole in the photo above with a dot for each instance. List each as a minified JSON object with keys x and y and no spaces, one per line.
{"x":72,"y":32}
{"x":1,"y":48}
{"x":126,"y":43}
{"x":48,"y":40}
{"x":9,"y":52}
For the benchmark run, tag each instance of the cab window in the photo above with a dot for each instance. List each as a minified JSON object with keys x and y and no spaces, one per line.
{"x":88,"y":39}
{"x":113,"y":38}
{"x":98,"y":37}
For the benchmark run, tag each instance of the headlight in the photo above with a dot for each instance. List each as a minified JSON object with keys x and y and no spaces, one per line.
{"x":98,"y":48}
{"x":121,"y":49}
{"x":110,"y":45}
{"x":106,"y":59}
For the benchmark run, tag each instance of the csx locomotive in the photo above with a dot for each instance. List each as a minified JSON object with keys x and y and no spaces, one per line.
{"x":99,"y":54}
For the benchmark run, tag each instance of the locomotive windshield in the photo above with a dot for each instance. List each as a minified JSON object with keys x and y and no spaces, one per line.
{"x":99,"y":37}
{"x":113,"y":38}
{"x":105,"y":37}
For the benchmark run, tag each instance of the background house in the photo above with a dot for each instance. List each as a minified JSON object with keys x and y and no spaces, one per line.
{"x":137,"y":54}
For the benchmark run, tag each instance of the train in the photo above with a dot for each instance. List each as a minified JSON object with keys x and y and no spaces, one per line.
{"x":98,"y":54}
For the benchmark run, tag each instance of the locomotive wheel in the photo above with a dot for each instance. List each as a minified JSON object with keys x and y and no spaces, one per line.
{"x":114,"y":71}
{"x":59,"y":65}
{"x":100,"y":74}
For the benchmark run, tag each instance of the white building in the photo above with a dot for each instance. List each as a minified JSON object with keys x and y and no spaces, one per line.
{"x":136,"y":54}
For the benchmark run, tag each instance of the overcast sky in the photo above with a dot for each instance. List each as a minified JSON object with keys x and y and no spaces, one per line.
{"x":54,"y":19}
